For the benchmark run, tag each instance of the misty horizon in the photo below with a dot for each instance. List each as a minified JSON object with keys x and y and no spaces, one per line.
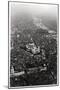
{"x":24,"y":14}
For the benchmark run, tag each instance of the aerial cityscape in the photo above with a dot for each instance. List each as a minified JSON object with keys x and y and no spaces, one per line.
{"x":33,"y":44}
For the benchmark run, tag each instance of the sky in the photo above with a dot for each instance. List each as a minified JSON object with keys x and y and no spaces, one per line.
{"x":34,"y":9}
{"x":48,"y":13}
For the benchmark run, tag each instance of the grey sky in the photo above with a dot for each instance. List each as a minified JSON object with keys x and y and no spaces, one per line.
{"x":34,"y":9}
{"x":28,"y":13}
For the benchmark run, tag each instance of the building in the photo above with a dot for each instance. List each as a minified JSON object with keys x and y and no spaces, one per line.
{"x":33,"y":48}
